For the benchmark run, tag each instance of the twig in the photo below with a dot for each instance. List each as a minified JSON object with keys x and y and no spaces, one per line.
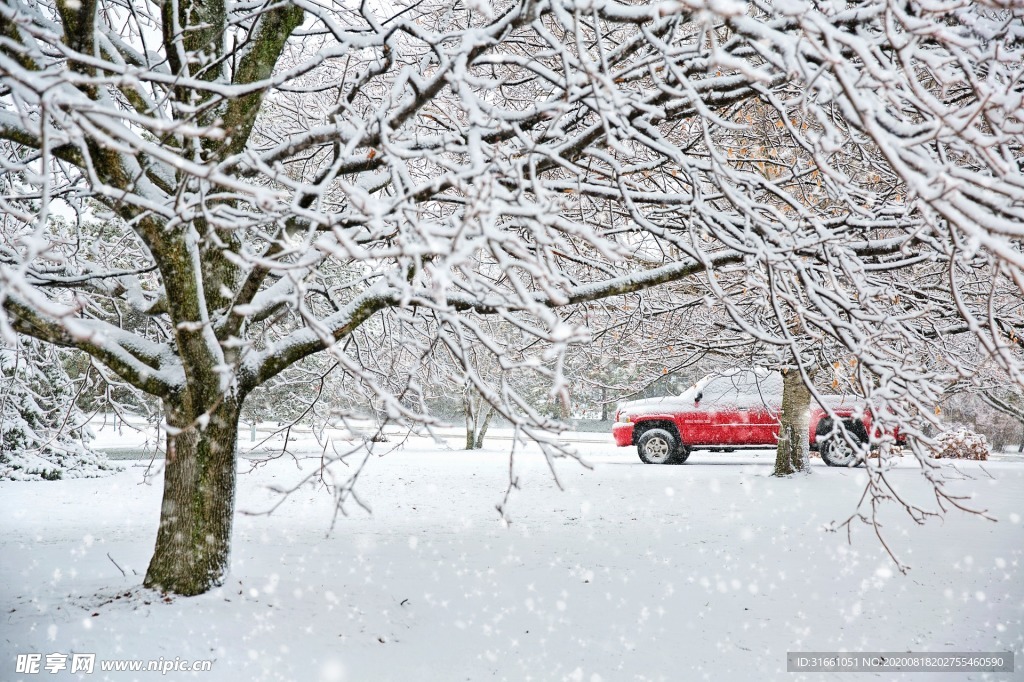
{"x":115,"y":563}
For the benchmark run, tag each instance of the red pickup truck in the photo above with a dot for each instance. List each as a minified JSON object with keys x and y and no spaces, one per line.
{"x":731,"y":410}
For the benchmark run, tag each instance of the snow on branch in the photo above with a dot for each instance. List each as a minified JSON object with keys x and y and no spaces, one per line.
{"x":204,"y":206}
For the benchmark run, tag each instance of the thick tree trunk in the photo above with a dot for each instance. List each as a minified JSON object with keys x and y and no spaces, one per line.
{"x":793,"y":453}
{"x":193,"y":540}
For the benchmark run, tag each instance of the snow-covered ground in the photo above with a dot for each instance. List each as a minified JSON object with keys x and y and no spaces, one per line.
{"x":712,"y":570}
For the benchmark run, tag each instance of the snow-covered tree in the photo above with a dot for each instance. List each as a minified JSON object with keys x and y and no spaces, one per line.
{"x":284,"y":178}
{"x":43,"y":433}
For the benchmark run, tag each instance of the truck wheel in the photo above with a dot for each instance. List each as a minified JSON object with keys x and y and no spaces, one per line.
{"x":836,"y":450}
{"x":658,"y":446}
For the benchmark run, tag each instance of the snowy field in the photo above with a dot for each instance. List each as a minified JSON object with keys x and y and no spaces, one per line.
{"x":712,"y":570}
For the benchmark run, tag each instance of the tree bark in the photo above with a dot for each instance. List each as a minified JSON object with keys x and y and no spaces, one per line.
{"x":793,"y":453}
{"x":478,"y":442}
{"x":467,"y":403}
{"x":193,"y":540}
{"x":478,"y":418}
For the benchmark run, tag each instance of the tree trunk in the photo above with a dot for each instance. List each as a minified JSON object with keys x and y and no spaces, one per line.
{"x":193,"y":540}
{"x":793,"y":453}
{"x":478,"y":442}
{"x":467,"y":403}
{"x":478,"y":418}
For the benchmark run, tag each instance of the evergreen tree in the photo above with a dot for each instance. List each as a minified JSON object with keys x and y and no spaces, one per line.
{"x":43,"y":433}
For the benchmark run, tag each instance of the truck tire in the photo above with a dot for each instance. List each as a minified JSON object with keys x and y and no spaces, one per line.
{"x":835,"y":449}
{"x":658,"y":446}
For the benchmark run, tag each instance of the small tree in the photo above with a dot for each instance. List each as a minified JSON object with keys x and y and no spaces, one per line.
{"x":43,"y":433}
